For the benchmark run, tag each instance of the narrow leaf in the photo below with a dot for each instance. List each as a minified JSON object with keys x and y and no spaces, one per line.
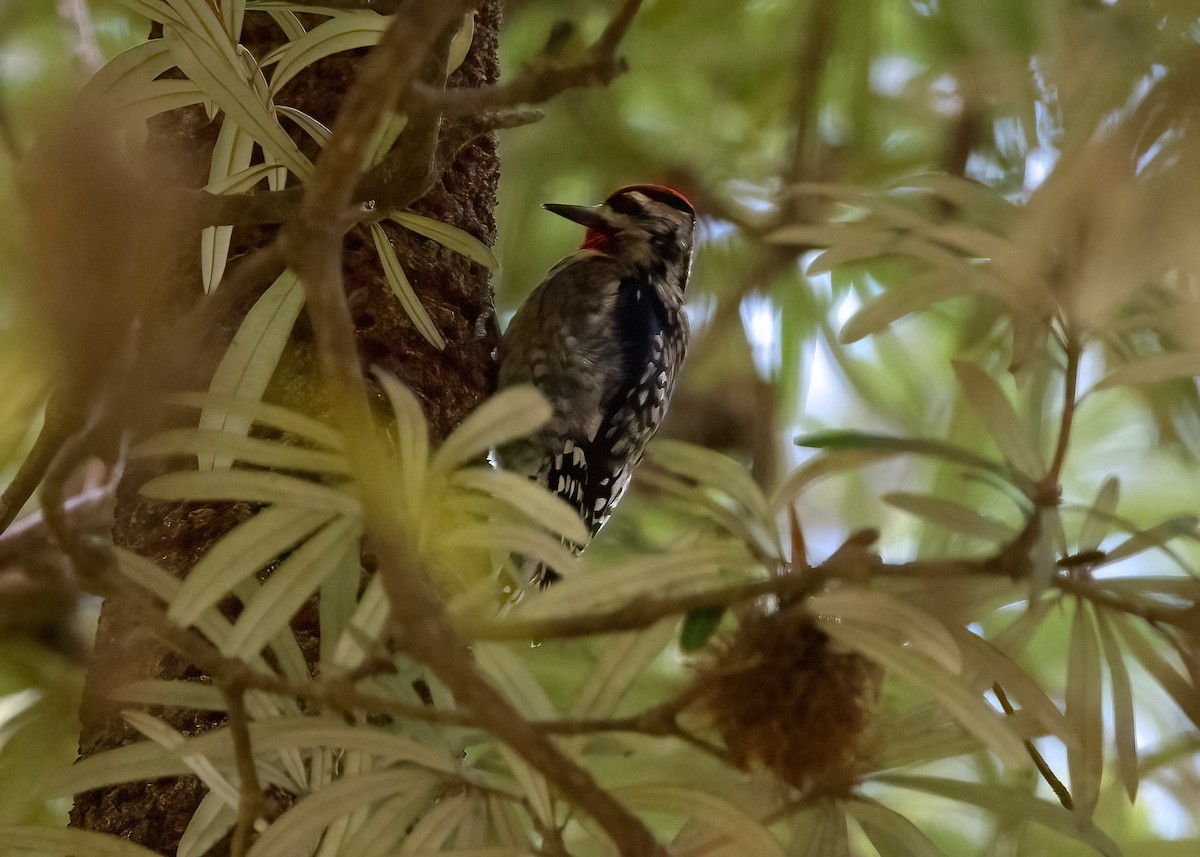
{"x":350,"y":30}
{"x":276,"y":454}
{"x":241,"y":553}
{"x":1099,"y":517}
{"x":71,"y":841}
{"x":450,"y":237}
{"x":952,"y":516}
{"x":1123,"y":716}
{"x":891,"y":830}
{"x":250,"y":360}
{"x":403,"y":289}
{"x":250,"y":486}
{"x":911,"y":627}
{"x":1008,"y":803}
{"x":999,"y":418}
{"x":264,"y":413}
{"x":1084,"y":710}
{"x":511,"y":413}
{"x":1150,"y":370}
{"x":1185,"y":694}
{"x":289,"y":587}
{"x":543,"y":508}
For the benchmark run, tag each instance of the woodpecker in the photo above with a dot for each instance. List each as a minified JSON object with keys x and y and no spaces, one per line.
{"x":603,"y":338}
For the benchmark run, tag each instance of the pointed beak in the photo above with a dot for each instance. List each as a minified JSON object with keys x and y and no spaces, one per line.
{"x":586,"y":215}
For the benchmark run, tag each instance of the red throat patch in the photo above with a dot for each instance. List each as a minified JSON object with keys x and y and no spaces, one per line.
{"x":596,"y":240}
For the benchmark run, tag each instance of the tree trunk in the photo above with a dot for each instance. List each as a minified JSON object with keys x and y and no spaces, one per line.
{"x":450,"y":383}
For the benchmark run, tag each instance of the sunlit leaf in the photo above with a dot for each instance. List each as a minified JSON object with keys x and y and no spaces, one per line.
{"x":623,"y":658}
{"x":142,"y":63}
{"x":821,"y":831}
{"x":1154,"y":537}
{"x":231,"y":156}
{"x":180,"y":694}
{"x":894,"y":304}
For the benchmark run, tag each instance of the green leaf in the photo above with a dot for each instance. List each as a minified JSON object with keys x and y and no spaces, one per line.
{"x":994,"y":667}
{"x":542,"y":508}
{"x":258,"y":452}
{"x":264,"y":413}
{"x":1084,"y":710}
{"x":1123,"y":715}
{"x":699,"y":626}
{"x":179,"y":694}
{"x":895,"y":303}
{"x":155,"y":10}
{"x":999,"y":418}
{"x":527,"y":542}
{"x":511,"y":413}
{"x":249,"y":362}
{"x":510,"y":675}
{"x":951,"y":515}
{"x":708,"y":467}
{"x":221,"y":78}
{"x":1099,"y":517}
{"x":1011,"y":804}
{"x":715,"y":814}
{"x":403,"y":290}
{"x":1185,"y":694}
{"x":460,"y":45}
{"x":70,"y":842}
{"x":967,"y":707}
{"x":297,"y":830}
{"x":290,"y":585}
{"x":891,"y":445}
{"x":821,"y":831}
{"x":1155,"y":537}
{"x":210,"y":822}
{"x":889,"y":831}
{"x":165,"y":736}
{"x":348,"y":31}
{"x":310,"y":126}
{"x":141,"y":64}
{"x":250,"y":486}
{"x":231,"y":156}
{"x":241,"y":553}
{"x":909,"y":627}
{"x":1150,"y":370}
{"x":450,"y":237}
{"x":622,"y":660}
{"x":659,"y":575}
{"x":138,"y":102}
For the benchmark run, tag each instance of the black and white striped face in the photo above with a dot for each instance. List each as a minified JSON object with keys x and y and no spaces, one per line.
{"x":648,"y":225}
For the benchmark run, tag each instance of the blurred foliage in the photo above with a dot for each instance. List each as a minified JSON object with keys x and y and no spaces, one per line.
{"x":939,"y":239}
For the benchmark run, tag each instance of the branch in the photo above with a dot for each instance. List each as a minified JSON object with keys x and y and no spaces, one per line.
{"x":543,"y":79}
{"x":313,"y":244}
{"x":250,"y":793}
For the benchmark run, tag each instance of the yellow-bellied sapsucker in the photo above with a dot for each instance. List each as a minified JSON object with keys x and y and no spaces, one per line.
{"x":602,"y":338}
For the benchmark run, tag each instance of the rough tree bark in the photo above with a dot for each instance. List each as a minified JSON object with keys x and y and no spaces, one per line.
{"x":450,"y":383}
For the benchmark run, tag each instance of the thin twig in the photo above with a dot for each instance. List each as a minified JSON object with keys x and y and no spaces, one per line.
{"x":544,"y":78}
{"x":1039,"y":761}
{"x":250,"y":793}
{"x":1049,"y":485}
